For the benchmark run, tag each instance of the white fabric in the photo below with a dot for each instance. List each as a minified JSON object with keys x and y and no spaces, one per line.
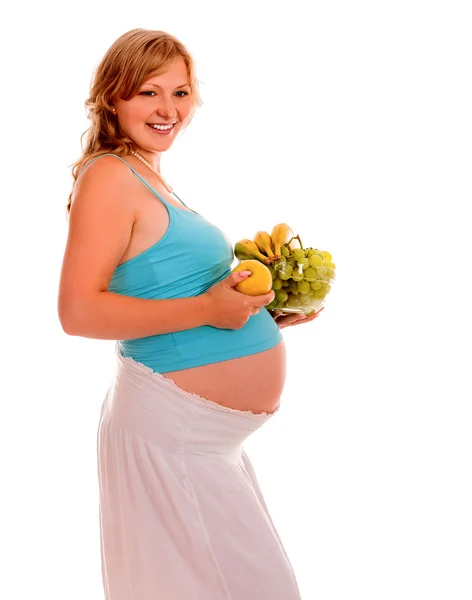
{"x":182,"y":516}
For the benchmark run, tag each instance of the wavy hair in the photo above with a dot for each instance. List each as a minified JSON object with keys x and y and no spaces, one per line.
{"x":126,"y":65}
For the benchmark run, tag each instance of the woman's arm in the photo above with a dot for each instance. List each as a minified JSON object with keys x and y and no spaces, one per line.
{"x":100,"y":224}
{"x":110,"y":316}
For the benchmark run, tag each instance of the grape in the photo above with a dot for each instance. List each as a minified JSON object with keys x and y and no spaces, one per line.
{"x":309,"y":274}
{"x":304,"y":263}
{"x":327,"y":255}
{"x":271,"y":304}
{"x":315,"y":260}
{"x":281,"y":295}
{"x":294,"y":301}
{"x":301,"y":278}
{"x":303,"y":287}
{"x":280,"y":264}
{"x":286,"y":272}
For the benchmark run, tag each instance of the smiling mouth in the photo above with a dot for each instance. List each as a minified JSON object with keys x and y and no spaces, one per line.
{"x":166,"y":127}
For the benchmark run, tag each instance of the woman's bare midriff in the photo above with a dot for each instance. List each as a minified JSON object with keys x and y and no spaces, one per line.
{"x":249,"y":383}
{"x":254,"y":382}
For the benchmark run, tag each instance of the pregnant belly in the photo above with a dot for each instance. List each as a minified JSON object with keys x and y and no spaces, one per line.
{"x":254,"y":382}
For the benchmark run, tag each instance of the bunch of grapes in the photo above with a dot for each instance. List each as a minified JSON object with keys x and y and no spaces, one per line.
{"x":301,"y":279}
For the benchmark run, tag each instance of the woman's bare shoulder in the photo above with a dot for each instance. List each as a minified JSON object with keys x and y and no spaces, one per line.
{"x":106,"y":169}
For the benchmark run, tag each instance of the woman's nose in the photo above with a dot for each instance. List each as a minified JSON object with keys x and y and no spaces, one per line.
{"x":166,"y":108}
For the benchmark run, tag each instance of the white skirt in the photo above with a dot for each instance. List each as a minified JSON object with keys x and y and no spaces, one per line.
{"x":182,"y":516}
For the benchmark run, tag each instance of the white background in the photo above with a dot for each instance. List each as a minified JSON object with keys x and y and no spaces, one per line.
{"x":351,"y":121}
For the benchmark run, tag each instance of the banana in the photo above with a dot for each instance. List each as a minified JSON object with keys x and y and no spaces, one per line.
{"x":264,"y":243}
{"x":246,"y":249}
{"x":281,"y":234}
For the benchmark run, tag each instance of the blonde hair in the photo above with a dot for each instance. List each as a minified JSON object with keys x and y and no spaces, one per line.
{"x":126,"y":65}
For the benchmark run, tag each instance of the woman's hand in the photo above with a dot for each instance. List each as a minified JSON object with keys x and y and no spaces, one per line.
{"x":295,"y":319}
{"x":226,"y":308}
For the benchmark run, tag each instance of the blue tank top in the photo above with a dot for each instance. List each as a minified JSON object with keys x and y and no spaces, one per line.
{"x":191,"y":257}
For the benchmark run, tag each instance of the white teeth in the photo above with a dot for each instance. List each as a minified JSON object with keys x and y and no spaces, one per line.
{"x":161,"y":127}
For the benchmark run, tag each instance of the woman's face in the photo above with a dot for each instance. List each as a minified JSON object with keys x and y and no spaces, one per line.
{"x":162,"y":99}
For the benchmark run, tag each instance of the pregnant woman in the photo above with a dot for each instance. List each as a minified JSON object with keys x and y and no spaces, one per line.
{"x":199,"y":366}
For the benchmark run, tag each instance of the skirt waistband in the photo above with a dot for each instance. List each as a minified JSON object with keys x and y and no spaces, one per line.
{"x":156,"y":408}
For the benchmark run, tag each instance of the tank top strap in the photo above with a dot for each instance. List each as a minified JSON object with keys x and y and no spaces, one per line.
{"x":155,"y":192}
{"x":180,"y":200}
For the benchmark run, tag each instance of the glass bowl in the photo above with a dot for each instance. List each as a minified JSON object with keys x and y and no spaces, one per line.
{"x":297,"y":294}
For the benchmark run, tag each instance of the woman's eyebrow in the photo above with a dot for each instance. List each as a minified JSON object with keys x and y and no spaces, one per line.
{"x":158,"y":86}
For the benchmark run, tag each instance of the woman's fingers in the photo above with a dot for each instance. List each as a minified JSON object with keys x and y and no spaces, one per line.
{"x":294,"y":319}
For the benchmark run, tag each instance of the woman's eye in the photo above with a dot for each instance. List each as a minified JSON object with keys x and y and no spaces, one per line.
{"x":149,"y":92}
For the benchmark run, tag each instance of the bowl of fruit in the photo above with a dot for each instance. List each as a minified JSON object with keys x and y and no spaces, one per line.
{"x":302,"y":277}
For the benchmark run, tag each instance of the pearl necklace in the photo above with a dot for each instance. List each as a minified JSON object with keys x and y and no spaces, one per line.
{"x":149,"y":166}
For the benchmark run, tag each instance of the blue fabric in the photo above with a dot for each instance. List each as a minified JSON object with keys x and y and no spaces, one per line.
{"x":191,"y":257}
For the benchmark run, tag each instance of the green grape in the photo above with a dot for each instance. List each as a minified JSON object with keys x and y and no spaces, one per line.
{"x":311,"y":252}
{"x":272,"y":271}
{"x":286,"y":271}
{"x":279,"y":305}
{"x":319,"y":294}
{"x":271,"y":304}
{"x":315,"y":261}
{"x":303,"y":287}
{"x":309,"y":274}
{"x":294,"y":287}
{"x":277,"y":284}
{"x":296,"y":276}
{"x":315,"y":285}
{"x":305,"y":299}
{"x":325,"y":263}
{"x":324,"y":286}
{"x":331,"y":264}
{"x":304,"y":263}
{"x":281,"y":295}
{"x":327,"y":255}
{"x":285,"y":284}
{"x":294,"y":301}
{"x":280,"y":264}
{"x":284,"y":251}
{"x":298,"y":254}
{"x":321,"y":273}
{"x":320,"y":254}
{"x":331,"y":273}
